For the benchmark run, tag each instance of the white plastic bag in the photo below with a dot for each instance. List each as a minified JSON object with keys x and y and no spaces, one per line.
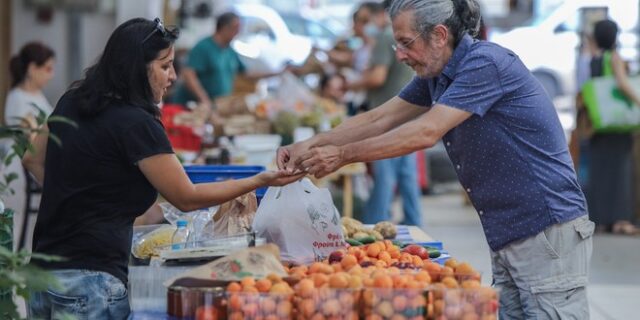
{"x":302,"y":220}
{"x":293,"y":94}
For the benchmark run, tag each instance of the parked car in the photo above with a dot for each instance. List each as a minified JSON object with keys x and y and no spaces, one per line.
{"x":318,"y":31}
{"x":264,"y":42}
{"x":548,"y":45}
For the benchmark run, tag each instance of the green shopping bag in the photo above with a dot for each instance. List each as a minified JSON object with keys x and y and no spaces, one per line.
{"x":608,"y":108}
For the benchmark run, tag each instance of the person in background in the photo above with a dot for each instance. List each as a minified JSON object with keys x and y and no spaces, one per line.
{"x":355,"y":59}
{"x":384,"y":77}
{"x":212,"y":65}
{"x":108,"y":170}
{"x":333,"y":87}
{"x":610,"y":169}
{"x":31,"y":69}
{"x":505,"y":140}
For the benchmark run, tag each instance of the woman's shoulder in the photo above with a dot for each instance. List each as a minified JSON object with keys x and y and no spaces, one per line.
{"x":20,"y":103}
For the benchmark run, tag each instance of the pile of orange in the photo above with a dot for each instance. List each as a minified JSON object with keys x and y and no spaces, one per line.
{"x":366,"y":281}
{"x":268,"y":298}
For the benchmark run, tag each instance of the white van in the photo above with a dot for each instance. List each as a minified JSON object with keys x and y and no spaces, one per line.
{"x":264,"y":43}
{"x":548,"y":44}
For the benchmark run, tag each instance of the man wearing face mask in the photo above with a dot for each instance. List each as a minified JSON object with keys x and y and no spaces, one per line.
{"x":506,"y":143}
{"x":384,"y":77}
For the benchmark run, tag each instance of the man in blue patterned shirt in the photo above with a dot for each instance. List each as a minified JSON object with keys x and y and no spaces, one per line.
{"x":505,"y":140}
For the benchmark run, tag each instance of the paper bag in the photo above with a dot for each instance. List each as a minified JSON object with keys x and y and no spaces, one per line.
{"x":235,"y":216}
{"x":256,"y":262}
{"x":302,"y":220}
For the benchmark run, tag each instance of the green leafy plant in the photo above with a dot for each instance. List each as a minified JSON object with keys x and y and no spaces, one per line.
{"x":17,"y":274}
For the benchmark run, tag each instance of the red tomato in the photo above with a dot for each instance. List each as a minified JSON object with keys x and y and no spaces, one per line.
{"x":416,"y":250}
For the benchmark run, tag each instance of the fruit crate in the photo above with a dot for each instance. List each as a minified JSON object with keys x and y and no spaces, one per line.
{"x":327,"y":303}
{"x":462,"y":303}
{"x":258,"y":305}
{"x":217,"y":173}
{"x":379,"y":303}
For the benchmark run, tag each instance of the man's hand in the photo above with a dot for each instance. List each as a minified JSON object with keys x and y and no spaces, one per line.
{"x":321,"y":161}
{"x":282,"y":156}
{"x":278,"y":178}
{"x":287,"y":155}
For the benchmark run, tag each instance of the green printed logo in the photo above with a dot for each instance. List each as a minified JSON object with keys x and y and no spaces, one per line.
{"x":617,"y":94}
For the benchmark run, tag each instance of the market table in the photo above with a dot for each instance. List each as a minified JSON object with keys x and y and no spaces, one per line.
{"x":148,"y":294}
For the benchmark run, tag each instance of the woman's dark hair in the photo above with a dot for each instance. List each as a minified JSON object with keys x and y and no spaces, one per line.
{"x":324,"y":80}
{"x":32,"y":52}
{"x":121,"y":73}
{"x":459,"y":16}
{"x":605,"y":32}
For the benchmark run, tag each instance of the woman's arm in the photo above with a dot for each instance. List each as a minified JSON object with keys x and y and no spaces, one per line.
{"x":620,"y":73}
{"x":153,"y":215}
{"x":34,"y":160}
{"x":167,"y":175}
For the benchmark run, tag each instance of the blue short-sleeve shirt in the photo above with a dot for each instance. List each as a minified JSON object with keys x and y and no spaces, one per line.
{"x":511,"y":155}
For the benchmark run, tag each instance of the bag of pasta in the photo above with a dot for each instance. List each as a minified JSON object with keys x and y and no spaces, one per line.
{"x":148,"y":240}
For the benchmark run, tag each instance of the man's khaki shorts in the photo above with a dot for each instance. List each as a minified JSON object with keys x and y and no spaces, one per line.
{"x":545,"y":276}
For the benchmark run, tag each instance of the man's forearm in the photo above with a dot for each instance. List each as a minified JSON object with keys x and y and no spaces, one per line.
{"x":356,"y":128}
{"x":194,"y":86}
{"x":403,"y":140}
{"x":391,"y":114}
{"x":254,"y":76}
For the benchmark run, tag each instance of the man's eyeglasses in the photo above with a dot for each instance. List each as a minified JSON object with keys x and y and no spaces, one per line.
{"x":404,"y":47}
{"x":160,"y":28}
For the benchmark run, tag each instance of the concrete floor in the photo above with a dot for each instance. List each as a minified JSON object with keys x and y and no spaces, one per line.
{"x":614,"y":288}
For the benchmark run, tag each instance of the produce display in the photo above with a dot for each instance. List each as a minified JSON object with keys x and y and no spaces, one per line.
{"x":379,"y":280}
{"x":356,"y":233}
{"x":372,"y":278}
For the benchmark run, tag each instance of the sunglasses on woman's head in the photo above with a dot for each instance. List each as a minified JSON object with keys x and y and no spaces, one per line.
{"x":160,"y":28}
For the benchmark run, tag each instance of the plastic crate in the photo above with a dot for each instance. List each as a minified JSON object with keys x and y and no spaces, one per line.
{"x":216,"y":173}
{"x":181,"y":137}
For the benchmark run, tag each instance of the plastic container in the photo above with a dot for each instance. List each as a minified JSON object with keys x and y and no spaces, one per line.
{"x":180,"y":236}
{"x":216,"y":173}
{"x":147,"y":240}
{"x":381,"y":303}
{"x":327,"y":303}
{"x":244,"y":305}
{"x":181,"y":137}
{"x":459,"y":303}
{"x":260,"y":149}
{"x":198,"y":302}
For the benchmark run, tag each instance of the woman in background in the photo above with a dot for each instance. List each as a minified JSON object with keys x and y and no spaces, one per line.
{"x":610,"y":171}
{"x":31,"y":69}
